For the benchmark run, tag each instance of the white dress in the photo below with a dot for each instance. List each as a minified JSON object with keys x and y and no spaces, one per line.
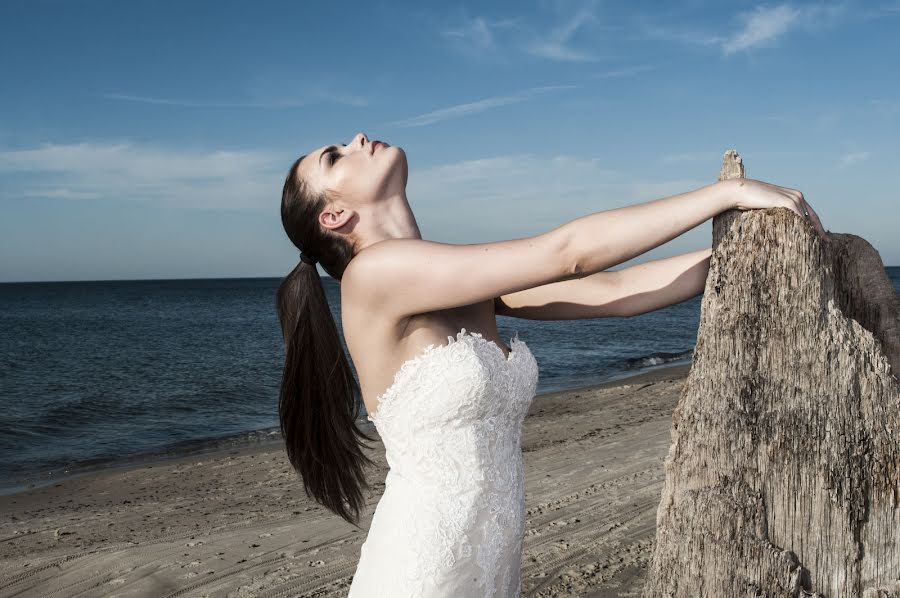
{"x":451,"y":520}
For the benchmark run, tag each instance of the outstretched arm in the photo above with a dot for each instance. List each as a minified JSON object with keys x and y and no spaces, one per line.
{"x":603,"y":239}
{"x":626,"y":292}
{"x":660,"y":283}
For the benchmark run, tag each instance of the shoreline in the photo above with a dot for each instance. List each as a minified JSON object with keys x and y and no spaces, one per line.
{"x":236,"y":523}
{"x":242,"y":440}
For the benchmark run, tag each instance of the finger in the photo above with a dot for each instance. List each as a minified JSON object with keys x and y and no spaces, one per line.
{"x":813,"y":218}
{"x":816,"y":222}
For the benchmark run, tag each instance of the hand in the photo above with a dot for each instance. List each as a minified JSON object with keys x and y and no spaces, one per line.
{"x":750,"y":194}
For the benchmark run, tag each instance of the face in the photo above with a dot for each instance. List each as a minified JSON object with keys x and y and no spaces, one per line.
{"x":358,"y":173}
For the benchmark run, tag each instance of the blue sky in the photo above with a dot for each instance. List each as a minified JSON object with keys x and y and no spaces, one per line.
{"x":150,"y":139}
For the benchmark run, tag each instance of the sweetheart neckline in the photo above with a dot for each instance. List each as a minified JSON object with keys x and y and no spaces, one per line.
{"x":432,"y":349}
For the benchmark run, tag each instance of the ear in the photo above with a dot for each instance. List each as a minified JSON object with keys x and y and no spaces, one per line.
{"x":335,"y":216}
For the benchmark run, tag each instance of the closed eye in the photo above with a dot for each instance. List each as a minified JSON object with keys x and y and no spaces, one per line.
{"x":333,"y":157}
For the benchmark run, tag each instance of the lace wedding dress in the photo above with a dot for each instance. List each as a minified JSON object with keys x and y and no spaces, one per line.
{"x":451,"y":520}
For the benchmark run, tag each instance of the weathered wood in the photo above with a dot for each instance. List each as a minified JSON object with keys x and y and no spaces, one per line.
{"x":783,"y":477}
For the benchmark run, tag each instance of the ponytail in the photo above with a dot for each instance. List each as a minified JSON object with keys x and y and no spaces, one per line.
{"x":318,"y":401}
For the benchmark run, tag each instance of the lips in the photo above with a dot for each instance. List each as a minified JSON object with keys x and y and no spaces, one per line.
{"x":376,"y":145}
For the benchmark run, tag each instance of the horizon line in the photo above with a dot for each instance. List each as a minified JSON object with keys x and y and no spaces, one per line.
{"x":326,"y":275}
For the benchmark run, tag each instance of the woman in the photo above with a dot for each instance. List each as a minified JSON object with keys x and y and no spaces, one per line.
{"x":450,"y":521}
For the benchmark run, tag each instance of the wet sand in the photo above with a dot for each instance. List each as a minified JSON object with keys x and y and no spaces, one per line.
{"x":236,"y":523}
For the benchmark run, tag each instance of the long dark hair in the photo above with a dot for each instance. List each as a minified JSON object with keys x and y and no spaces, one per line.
{"x":319,"y":399}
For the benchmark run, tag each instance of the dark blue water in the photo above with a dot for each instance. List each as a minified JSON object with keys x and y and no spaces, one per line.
{"x":94,"y":374}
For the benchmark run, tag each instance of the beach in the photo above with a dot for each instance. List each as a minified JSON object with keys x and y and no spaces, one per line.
{"x":236,"y":522}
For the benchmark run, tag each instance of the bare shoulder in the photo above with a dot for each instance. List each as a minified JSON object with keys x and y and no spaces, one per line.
{"x":363,"y":281}
{"x":388,"y":250}
{"x":360,"y":269}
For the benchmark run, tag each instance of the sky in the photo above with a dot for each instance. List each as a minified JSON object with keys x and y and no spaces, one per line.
{"x":150,"y":139}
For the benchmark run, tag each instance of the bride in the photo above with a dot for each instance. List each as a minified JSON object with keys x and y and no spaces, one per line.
{"x":451,"y":519}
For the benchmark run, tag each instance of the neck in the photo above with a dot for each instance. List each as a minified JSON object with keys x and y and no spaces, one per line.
{"x":391,"y":218}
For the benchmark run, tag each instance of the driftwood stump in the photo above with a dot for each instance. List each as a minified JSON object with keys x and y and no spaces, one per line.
{"x":783,"y":477}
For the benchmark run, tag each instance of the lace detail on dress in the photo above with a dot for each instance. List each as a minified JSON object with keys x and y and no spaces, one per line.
{"x":451,"y":520}
{"x":411,"y":363}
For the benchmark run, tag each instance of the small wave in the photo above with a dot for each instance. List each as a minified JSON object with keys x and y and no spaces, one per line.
{"x":656,"y":359}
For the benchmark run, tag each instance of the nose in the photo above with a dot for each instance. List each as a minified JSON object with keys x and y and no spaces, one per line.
{"x":362,"y":139}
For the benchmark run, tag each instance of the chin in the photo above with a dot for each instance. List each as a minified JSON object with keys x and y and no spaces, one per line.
{"x":402,"y":156}
{"x":398,"y":159}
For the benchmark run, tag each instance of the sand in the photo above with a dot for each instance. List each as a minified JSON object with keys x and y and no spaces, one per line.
{"x":237,"y":523}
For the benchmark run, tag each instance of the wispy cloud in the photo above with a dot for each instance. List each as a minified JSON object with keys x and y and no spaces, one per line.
{"x":680,"y":35}
{"x":469,"y":108}
{"x":852,"y":158}
{"x":762,"y":26}
{"x":274,"y":103}
{"x":126,"y":171}
{"x":50,"y":192}
{"x":555,"y":44}
{"x":625,"y":72}
{"x":476,"y":35}
{"x":516,"y":179}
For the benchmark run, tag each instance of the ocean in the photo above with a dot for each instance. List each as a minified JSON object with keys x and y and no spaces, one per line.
{"x":101,"y":374}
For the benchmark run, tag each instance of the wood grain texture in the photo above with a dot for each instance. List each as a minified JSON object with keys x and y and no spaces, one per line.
{"x":783,"y":476}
